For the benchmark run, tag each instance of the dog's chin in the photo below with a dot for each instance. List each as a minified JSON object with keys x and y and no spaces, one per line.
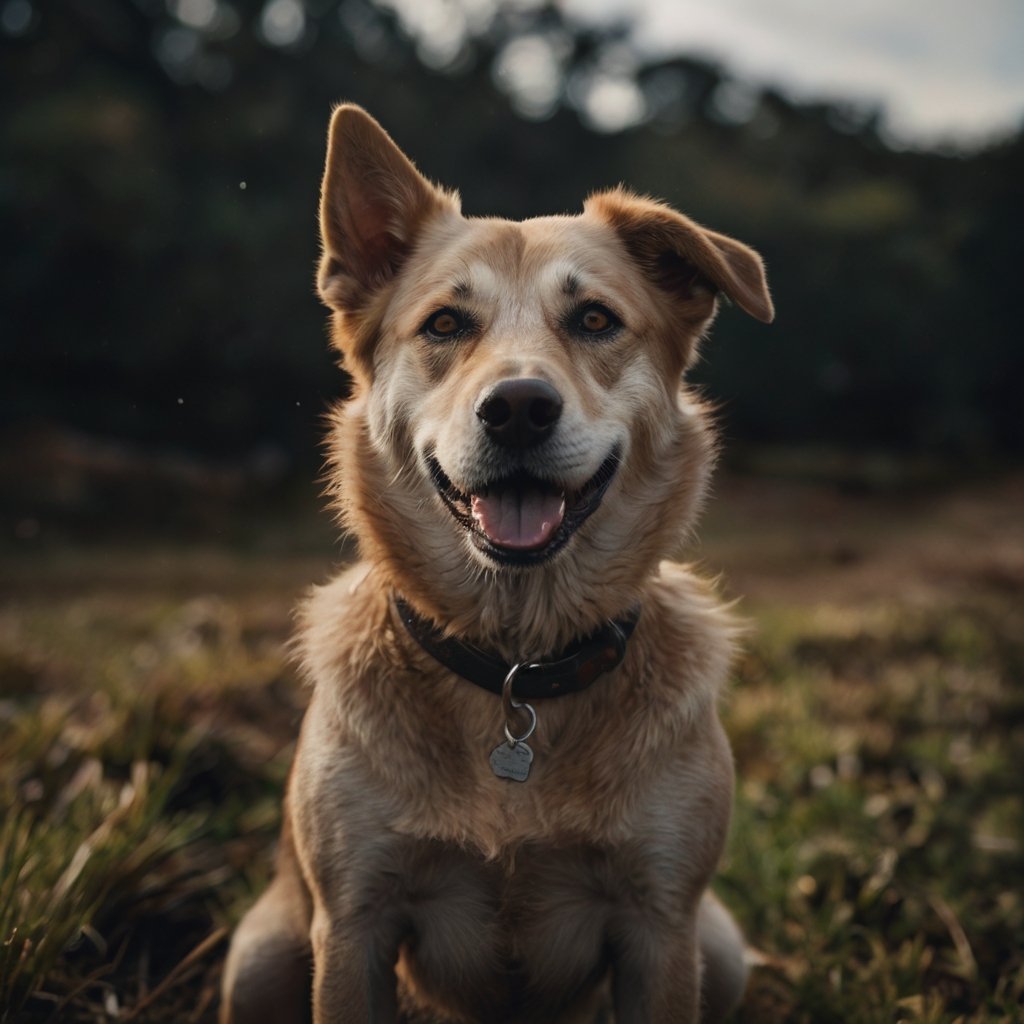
{"x":521,"y":520}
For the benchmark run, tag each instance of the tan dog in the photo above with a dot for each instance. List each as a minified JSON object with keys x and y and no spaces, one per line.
{"x":518,"y":456}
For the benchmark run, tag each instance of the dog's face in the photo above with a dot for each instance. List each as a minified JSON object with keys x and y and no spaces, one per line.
{"x":518,"y":425}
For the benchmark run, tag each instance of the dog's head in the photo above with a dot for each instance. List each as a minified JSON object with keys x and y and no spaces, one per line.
{"x":519,"y":450}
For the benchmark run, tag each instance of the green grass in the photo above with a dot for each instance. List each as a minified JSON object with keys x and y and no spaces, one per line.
{"x":876,"y":855}
{"x":148,"y":712}
{"x":143,"y":748}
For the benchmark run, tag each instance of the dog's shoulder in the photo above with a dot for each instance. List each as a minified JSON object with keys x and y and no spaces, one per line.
{"x":341,"y":624}
{"x":689,"y":600}
{"x":691,"y":635}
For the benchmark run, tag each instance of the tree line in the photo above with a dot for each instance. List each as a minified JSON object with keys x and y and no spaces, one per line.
{"x":158,"y":197}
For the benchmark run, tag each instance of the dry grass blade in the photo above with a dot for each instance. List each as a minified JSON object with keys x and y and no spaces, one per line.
{"x":178,"y":973}
{"x":956,"y":933}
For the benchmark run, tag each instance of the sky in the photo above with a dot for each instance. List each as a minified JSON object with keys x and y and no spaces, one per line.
{"x":944,"y":72}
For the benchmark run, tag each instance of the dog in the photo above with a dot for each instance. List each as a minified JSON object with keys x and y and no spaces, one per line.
{"x":512,"y":788}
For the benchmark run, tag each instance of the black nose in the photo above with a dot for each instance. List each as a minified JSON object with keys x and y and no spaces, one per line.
{"x":519,"y":412}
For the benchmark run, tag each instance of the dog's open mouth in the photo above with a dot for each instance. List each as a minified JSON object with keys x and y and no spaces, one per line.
{"x":521,"y":519}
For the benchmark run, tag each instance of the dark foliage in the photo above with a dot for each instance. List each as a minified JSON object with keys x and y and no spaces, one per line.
{"x":158,"y":199}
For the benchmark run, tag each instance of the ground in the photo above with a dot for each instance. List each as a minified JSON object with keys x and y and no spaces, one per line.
{"x":148,"y":709}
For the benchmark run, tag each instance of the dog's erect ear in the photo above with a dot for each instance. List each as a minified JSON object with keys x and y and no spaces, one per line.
{"x":372,"y":206}
{"x":680,"y":255}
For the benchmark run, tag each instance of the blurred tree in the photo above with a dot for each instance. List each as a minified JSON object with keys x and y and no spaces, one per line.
{"x":158,"y":197}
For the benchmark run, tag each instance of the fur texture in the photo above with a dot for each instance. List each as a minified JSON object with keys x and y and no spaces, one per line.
{"x":412,"y":883}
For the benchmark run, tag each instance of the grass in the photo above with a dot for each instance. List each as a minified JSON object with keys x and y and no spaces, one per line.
{"x":148,"y":713}
{"x":884,"y":783}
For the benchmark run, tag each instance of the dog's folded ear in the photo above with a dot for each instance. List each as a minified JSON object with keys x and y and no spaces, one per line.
{"x":683,"y":257}
{"x":372,"y":206}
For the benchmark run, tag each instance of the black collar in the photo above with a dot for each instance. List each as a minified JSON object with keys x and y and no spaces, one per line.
{"x":570,"y":671}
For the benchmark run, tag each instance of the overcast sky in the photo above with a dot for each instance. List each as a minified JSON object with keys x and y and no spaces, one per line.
{"x":943,"y":70}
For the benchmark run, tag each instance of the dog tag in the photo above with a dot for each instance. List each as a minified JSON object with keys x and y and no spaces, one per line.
{"x":512,"y":761}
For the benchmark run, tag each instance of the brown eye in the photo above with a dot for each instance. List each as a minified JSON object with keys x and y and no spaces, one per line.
{"x":595,"y":320}
{"x":445,"y":323}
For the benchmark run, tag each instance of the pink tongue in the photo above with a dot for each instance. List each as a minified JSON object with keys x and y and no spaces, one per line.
{"x":519,"y":519}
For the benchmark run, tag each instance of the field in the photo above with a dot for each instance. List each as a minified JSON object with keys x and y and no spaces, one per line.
{"x":148,"y":710}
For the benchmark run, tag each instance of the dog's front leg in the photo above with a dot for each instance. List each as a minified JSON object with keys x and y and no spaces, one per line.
{"x":354,"y":980}
{"x":657,"y":982}
{"x":357,"y":914}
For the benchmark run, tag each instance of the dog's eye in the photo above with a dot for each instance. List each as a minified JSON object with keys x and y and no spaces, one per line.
{"x":594,"y":320}
{"x":445,"y":323}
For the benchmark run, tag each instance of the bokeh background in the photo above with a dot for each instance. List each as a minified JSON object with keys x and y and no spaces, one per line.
{"x":159,"y":184}
{"x":164,"y":372}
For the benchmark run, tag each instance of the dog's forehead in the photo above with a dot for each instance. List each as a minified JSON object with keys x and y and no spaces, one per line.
{"x":489,"y":259}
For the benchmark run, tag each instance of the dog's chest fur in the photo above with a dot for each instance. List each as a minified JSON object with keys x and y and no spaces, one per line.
{"x":486,"y":884}
{"x":400,"y":740}
{"x":529,"y":935}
